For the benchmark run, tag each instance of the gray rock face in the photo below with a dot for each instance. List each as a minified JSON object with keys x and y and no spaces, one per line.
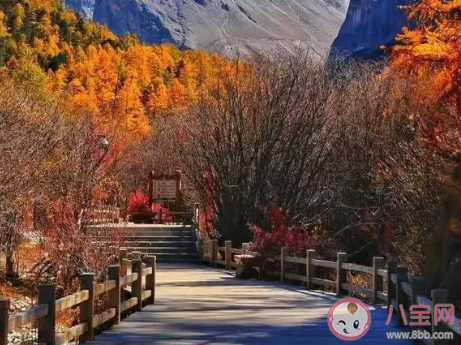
{"x":226,"y":26}
{"x":84,"y":7}
{"x":369,"y":24}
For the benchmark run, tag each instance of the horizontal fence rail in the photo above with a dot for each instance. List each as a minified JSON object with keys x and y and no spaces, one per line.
{"x":389,"y":283}
{"x":134,"y":273}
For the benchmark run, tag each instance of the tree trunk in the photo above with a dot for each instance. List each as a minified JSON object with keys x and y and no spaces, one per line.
{"x":9,"y":263}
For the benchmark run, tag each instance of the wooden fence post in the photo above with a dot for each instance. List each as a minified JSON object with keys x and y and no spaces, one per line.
{"x":402,"y":276}
{"x":438,"y":296}
{"x":196,"y":213}
{"x":4,"y":320}
{"x":227,"y":253}
{"x":378,"y":263}
{"x":214,"y":251}
{"x":123,"y":253}
{"x":199,"y":247}
{"x":418,"y":287}
{"x":113,"y":255}
{"x":87,"y":307}
{"x":391,"y":269}
{"x":114,"y":296}
{"x":340,"y":273}
{"x":136,"y":288}
{"x":310,"y":269}
{"x":283,"y":253}
{"x":46,"y":325}
{"x":198,"y":238}
{"x":136,"y":255}
{"x":151,"y":261}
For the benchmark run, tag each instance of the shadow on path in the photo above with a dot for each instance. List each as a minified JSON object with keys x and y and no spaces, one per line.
{"x":198,"y":306}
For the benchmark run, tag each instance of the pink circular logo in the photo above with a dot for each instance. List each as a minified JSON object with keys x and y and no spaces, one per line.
{"x":349,"y":319}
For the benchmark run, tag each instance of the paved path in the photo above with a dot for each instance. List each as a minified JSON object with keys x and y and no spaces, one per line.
{"x":196,"y":305}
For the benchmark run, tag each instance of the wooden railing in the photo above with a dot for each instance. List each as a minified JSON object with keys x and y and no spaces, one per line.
{"x":389,"y":283}
{"x":414,"y":291}
{"x":129,"y":272}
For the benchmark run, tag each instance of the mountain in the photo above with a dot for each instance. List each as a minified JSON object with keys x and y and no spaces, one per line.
{"x":84,"y":7}
{"x":225,"y":26}
{"x":369,"y":24}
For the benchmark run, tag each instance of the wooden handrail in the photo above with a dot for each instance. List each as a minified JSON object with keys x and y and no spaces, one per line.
{"x":358,"y":268}
{"x":397,"y":282}
{"x":323,"y":263}
{"x":146,"y":294}
{"x":406,"y":287}
{"x":105,"y":287}
{"x":127,"y":280}
{"x":71,"y":300}
{"x":295,"y":260}
{"x":21,"y":319}
{"x":85,"y":299}
{"x":382,"y":272}
{"x":146,"y":271}
{"x":72,"y":333}
{"x":129,"y":304}
{"x":105,"y":316}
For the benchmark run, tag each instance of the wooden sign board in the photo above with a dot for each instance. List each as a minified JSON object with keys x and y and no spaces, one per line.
{"x":165,"y":187}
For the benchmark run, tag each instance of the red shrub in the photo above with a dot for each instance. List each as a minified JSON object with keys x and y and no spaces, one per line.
{"x":282,"y":234}
{"x":157,"y":208}
{"x":138,"y":202}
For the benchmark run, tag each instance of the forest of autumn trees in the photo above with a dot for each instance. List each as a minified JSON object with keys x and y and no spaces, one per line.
{"x":430,"y":52}
{"x":121,"y":83}
{"x":87,"y":85}
{"x":361,"y":157}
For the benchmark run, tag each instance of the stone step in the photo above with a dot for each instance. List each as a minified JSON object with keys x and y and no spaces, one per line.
{"x":155,"y":237}
{"x":162,"y":244}
{"x":170,"y":250}
{"x":139,"y":228}
{"x":141,"y":233}
{"x":168,"y":243}
{"x":179,"y":256}
{"x":143,"y":239}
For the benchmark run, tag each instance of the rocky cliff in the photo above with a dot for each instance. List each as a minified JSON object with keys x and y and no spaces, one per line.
{"x":84,"y":7}
{"x":225,"y":26}
{"x":369,"y":24}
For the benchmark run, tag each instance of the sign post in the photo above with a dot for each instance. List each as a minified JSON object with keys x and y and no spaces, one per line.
{"x":165,"y":188}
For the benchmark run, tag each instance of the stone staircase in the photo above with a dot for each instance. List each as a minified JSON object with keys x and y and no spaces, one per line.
{"x":170,"y":243}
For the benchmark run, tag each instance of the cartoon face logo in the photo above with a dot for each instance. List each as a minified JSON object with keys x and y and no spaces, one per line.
{"x":349,"y":319}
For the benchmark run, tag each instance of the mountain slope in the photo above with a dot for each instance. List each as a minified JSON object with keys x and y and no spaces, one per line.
{"x":84,"y":7}
{"x":225,"y":26}
{"x":369,"y":24}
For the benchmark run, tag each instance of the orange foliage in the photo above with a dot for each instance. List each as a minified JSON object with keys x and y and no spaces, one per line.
{"x":120,"y":82}
{"x":431,"y":52}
